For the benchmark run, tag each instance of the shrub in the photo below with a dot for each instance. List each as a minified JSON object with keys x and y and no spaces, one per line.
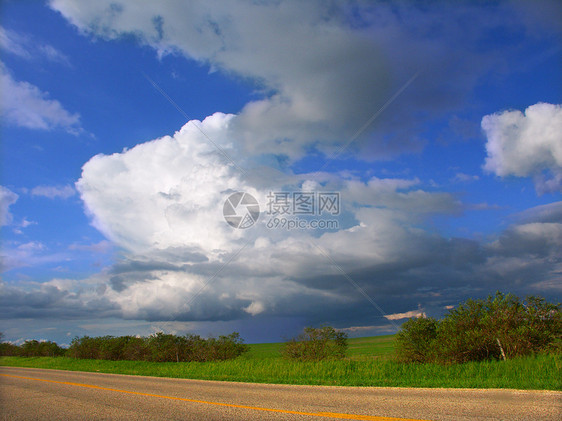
{"x":35,"y":348}
{"x":226,"y":347}
{"x":84,"y":347}
{"x":316,"y":344}
{"x":9,"y":350}
{"x":417,"y":340}
{"x":160,"y":347}
{"x":501,"y":326}
{"x":30,"y":348}
{"x":135,"y":349}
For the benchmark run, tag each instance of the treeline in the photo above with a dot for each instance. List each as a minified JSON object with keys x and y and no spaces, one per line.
{"x":498,"y":327}
{"x":159,"y":347}
{"x":32,"y":349}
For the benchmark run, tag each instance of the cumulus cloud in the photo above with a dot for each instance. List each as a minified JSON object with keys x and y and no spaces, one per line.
{"x":526,"y":144}
{"x":162,"y":202}
{"x":25,"y":105}
{"x":262,"y":273}
{"x":165,"y":193}
{"x":7,"y":199}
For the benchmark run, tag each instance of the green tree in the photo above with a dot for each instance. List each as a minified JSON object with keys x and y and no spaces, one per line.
{"x":135,"y":349}
{"x":84,"y":347}
{"x":417,"y":340}
{"x":160,"y":347}
{"x":226,"y":347}
{"x":33,"y":348}
{"x":316,"y":344}
{"x":7,"y":349}
{"x":498,"y":327}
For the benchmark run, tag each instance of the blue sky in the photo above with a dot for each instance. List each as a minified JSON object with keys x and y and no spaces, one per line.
{"x":125,"y":128}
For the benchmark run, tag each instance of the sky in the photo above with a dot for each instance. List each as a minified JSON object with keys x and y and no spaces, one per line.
{"x":210,"y":167}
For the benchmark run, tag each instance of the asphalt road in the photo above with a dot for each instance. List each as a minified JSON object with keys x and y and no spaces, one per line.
{"x":33,"y":394}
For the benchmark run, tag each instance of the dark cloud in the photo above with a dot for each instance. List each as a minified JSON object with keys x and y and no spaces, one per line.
{"x":51,"y":301}
{"x":551,"y":212}
{"x":325,"y":74}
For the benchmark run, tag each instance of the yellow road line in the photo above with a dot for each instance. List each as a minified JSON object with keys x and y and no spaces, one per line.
{"x":230,"y":405}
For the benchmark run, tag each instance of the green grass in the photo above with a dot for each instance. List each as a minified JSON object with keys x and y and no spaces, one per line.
{"x":374,"y":346}
{"x":538,"y":372}
{"x":369,"y":364}
{"x":359,"y":348}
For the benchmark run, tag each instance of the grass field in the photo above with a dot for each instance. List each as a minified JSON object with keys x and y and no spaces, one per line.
{"x":371,"y":347}
{"x":369,"y":364}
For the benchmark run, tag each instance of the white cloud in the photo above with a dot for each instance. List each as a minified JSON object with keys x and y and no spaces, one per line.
{"x":407,"y":315}
{"x":101,"y":247}
{"x":365,"y":330}
{"x":526,"y":144}
{"x":549,"y":234}
{"x":464,"y":178}
{"x":31,"y":246}
{"x":24,"y":46}
{"x":165,"y":193}
{"x":53,"y":192}
{"x":25,"y":105}
{"x":25,"y":223}
{"x":7,"y":198}
{"x":162,"y":202}
{"x":28,"y":254}
{"x":256,"y":307}
{"x":54,"y":55}
{"x":13,"y":43}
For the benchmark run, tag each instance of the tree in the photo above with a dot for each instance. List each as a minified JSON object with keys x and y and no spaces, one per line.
{"x":500,"y":326}
{"x":7,"y":349}
{"x":159,"y":347}
{"x":35,"y":348}
{"x":316,"y":344}
{"x":417,"y":339}
{"x":166,"y":347}
{"x":226,"y":347}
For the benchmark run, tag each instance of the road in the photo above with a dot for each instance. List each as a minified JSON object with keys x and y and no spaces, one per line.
{"x":33,"y":394}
